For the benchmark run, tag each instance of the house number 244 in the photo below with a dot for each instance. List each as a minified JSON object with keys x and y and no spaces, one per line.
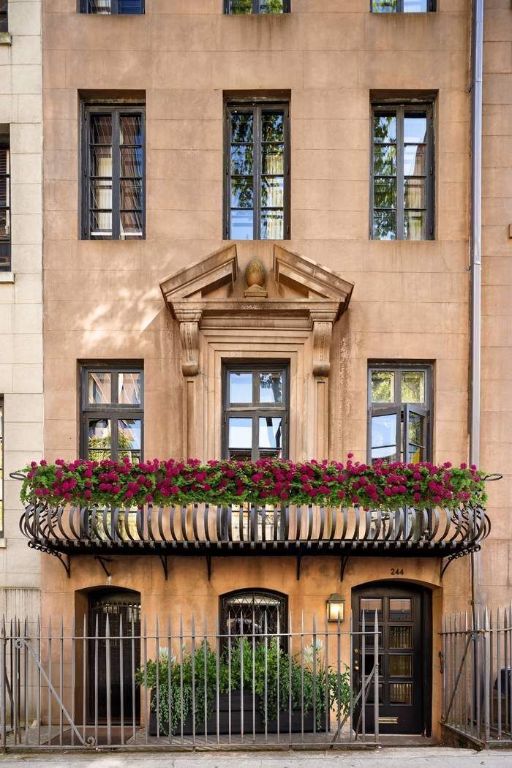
{"x":397,"y":571}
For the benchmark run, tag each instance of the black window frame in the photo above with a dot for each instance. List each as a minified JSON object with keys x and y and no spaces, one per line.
{"x":114,"y":410}
{"x":255,"y":410}
{"x":431,"y":8}
{"x":5,"y":245}
{"x":402,"y":410}
{"x":257,"y":106}
{"x":4,"y":18}
{"x":116,"y":109}
{"x":255,"y":592}
{"x":402,"y":107}
{"x":256,"y":5}
{"x":85,"y":7}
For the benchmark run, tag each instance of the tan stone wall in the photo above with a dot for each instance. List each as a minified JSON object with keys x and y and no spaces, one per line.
{"x":21,"y":341}
{"x":496,"y":444}
{"x":102,"y":298}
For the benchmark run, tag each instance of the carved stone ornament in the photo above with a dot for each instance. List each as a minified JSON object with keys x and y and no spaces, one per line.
{"x":309,"y":297}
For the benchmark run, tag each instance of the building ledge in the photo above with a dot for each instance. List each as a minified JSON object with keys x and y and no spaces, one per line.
{"x":6,"y":277}
{"x":5,"y":38}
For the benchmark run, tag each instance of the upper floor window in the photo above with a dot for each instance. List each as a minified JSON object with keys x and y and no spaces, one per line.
{"x":402,"y":6}
{"x":1,"y":467}
{"x":399,"y":408}
{"x":3,"y":16}
{"x":257,"y":171}
{"x":239,"y":7}
{"x":255,"y":411}
{"x":113,"y":169}
{"x":253,"y":612}
{"x":5,"y":200}
{"x":402,"y":172}
{"x":111,"y":7}
{"x":112,"y":411}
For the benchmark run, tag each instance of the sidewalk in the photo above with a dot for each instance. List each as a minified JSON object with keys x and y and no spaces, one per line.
{"x":438,"y":757}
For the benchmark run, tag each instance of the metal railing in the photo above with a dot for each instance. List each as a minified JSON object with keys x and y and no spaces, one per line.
{"x":118,"y":684}
{"x":246,"y":529}
{"x":477,"y":681}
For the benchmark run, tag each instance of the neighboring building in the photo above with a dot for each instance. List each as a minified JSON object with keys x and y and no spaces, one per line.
{"x":21,"y":340}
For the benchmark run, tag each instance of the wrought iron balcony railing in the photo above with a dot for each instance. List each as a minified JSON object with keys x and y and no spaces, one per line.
{"x":206,"y":529}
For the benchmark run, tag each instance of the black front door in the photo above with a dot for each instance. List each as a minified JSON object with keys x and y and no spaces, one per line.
{"x":405,"y":648}
{"x":113,"y":656}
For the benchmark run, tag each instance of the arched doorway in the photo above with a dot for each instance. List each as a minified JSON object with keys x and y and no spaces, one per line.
{"x":253,"y":611}
{"x":113,"y":651}
{"x":404,"y":613}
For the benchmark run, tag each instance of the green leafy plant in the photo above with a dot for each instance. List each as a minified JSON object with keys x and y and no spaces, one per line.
{"x":260,"y":668}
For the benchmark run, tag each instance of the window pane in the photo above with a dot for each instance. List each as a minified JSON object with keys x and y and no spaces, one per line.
{"x":101,"y":162}
{"x":131,"y":225}
{"x":400,"y":638}
{"x":271,"y":388}
{"x":101,"y":129}
{"x":271,"y":432}
{"x":131,"y":129}
{"x":4,"y":226}
{"x":131,"y":195}
{"x":129,"y":436}
{"x":131,"y":162}
{"x":240,"y":433}
{"x":400,"y":693}
{"x":400,"y":665}
{"x":415,"y":225}
{"x":240,"y":6}
{"x":241,"y":159}
{"x":271,"y":6}
{"x":4,"y":161}
{"x":272,"y":192}
{"x":415,"y":129}
{"x":415,"y":6}
{"x":368,"y":606}
{"x":273,"y":158}
{"x":242,"y":192}
{"x":101,"y":224}
{"x":415,"y":160}
{"x":384,"y":6}
{"x":129,"y":386}
{"x":242,"y":227}
{"x":384,"y":225}
{"x":99,"y":388}
{"x":272,"y":126}
{"x":240,"y":387}
{"x":99,"y":444}
{"x":414,"y":193}
{"x":272,"y":225}
{"x":101,"y":194}
{"x":100,"y":6}
{"x":384,"y":160}
{"x":400,"y":609}
{"x":241,"y":127}
{"x":384,"y":436}
{"x":384,"y":128}
{"x":131,"y":6}
{"x":384,"y":193}
{"x":415,"y":449}
{"x":383,"y":386}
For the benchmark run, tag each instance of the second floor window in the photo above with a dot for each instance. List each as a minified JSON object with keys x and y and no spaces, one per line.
{"x":5,"y":200}
{"x":257,"y":171}
{"x":399,"y":418}
{"x":255,"y":411}
{"x":402,"y":172}
{"x":113,"y":173}
{"x":112,"y":7}
{"x":402,"y":6}
{"x":3,"y":16}
{"x":239,"y":7}
{"x":112,"y":412}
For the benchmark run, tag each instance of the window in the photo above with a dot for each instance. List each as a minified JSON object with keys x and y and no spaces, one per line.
{"x":5,"y":200}
{"x":3,"y":16}
{"x":257,"y":171}
{"x":112,"y":405}
{"x":399,"y":424}
{"x":256,"y":411}
{"x":240,"y":7}
{"x":111,"y":7}
{"x":253,"y":611}
{"x":402,"y":6}
{"x":1,"y":467}
{"x":113,"y":171}
{"x":403,"y":172}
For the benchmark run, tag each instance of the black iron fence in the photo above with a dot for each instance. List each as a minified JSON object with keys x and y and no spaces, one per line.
{"x":477,"y":681}
{"x":119,"y":684}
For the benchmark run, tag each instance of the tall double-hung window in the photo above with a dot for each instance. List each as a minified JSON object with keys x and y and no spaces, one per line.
{"x":402,"y":189}
{"x":113,"y":170}
{"x":112,"y":7}
{"x":5,"y":199}
{"x":257,"y":171}
{"x":4,"y":27}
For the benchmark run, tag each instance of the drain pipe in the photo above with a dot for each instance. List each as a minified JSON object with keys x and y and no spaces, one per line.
{"x":475,"y":268}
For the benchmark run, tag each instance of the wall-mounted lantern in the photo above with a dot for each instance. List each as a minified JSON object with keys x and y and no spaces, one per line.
{"x":335,"y":608}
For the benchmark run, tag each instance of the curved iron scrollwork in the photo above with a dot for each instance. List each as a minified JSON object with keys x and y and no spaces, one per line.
{"x":251,"y":529}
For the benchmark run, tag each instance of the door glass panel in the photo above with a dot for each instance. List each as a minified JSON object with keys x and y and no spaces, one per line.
{"x":400,"y":665}
{"x":130,"y":388}
{"x":271,"y":388}
{"x":400,"y":693}
{"x":384,"y":436}
{"x":413,"y":386}
{"x":240,"y":387}
{"x":368,"y":606}
{"x":240,"y":433}
{"x":383,"y":386}
{"x":400,"y":609}
{"x":99,"y":439}
{"x":400,"y":638}
{"x":99,"y":387}
{"x":271,"y":432}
